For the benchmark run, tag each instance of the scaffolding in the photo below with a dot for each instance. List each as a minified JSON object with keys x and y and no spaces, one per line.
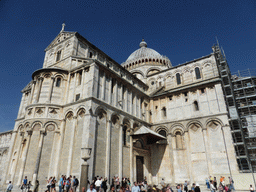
{"x":245,"y":93}
{"x":238,"y":129}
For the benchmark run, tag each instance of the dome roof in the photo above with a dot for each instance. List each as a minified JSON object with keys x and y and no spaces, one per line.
{"x":143,"y":52}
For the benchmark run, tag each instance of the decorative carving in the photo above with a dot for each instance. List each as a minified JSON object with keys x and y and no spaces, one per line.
{"x":30,"y":111}
{"x":39,"y":111}
{"x":50,"y":127}
{"x":53,"y":112}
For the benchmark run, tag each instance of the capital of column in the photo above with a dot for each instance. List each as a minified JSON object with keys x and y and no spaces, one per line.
{"x":52,"y":77}
{"x":29,"y":132}
{"x":75,"y":117}
{"x":42,"y":131}
{"x":22,"y":133}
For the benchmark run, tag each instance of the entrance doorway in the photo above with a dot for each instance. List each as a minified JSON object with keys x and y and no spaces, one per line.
{"x":139,"y":168}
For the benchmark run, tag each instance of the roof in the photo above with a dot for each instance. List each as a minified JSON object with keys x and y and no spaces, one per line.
{"x":152,"y":136}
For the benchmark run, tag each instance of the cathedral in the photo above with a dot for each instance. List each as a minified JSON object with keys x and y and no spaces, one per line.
{"x":143,"y":118}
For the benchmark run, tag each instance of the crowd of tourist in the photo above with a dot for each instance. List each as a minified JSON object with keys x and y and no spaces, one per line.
{"x":99,"y":184}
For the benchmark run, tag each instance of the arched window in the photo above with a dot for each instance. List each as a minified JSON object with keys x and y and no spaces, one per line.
{"x":58,"y":55}
{"x":196,"y":107}
{"x":162,"y":132}
{"x":58,"y":82}
{"x":178,"y":140}
{"x":79,"y":78}
{"x":197,"y":71}
{"x":124,"y":135}
{"x":178,"y":79}
{"x":90,"y":55}
{"x":163,"y":112}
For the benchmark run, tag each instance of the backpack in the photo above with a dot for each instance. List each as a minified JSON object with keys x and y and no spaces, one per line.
{"x":76,"y":182}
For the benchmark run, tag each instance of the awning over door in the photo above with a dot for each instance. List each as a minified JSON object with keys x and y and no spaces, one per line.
{"x":152,"y":137}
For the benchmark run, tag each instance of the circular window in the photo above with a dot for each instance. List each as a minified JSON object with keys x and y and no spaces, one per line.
{"x":152,"y":83}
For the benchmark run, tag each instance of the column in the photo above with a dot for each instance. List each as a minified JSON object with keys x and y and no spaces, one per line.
{"x":50,"y":90}
{"x":67,"y":89}
{"x":134,"y":111}
{"x":107,"y":166}
{"x":121,"y":103}
{"x":14,"y":134}
{"x":54,"y":156}
{"x":131,"y":103}
{"x":102,"y":97}
{"x":125,"y":100}
{"x":18,"y":155}
{"x":131,"y":154}
{"x":74,"y":88}
{"x":24,"y":158}
{"x":115,"y":93}
{"x":120,"y":152}
{"x":32,"y":92}
{"x":21,"y":105}
{"x":140,"y":106}
{"x":56,"y":171}
{"x":204,"y":130}
{"x":187,"y":142}
{"x":71,"y":145}
{"x":170,"y":138}
{"x":110,"y":87}
{"x":38,"y":157}
{"x":39,"y":88}
{"x":83,"y":77}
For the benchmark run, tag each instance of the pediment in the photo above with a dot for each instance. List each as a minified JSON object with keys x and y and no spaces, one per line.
{"x":60,"y":38}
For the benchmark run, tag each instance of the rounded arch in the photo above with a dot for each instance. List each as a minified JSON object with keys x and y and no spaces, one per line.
{"x":127,"y":122}
{"x":27,"y":125}
{"x":195,"y":126}
{"x":50,"y":126}
{"x":213,"y":123}
{"x":151,"y":69}
{"x":59,"y":48}
{"x":37,"y":125}
{"x":160,"y":130}
{"x":20,"y":127}
{"x":115,"y":118}
{"x":177,"y":127}
{"x":138,"y":71}
{"x":59,"y":75}
{"x":46,"y":75}
{"x":194,"y":122}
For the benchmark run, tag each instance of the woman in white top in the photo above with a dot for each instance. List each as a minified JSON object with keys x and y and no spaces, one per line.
{"x":251,"y":188}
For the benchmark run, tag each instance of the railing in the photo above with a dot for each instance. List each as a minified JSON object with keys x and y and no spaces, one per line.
{"x":244,"y":73}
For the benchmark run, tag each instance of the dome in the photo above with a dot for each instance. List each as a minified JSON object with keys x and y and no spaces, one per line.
{"x":143,"y":52}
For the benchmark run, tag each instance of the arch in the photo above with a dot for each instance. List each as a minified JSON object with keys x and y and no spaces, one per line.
{"x":37,"y":125}
{"x":20,"y":128}
{"x":161,"y":128}
{"x":198,"y":73}
{"x":178,"y":78}
{"x":195,"y":105}
{"x":115,"y":119}
{"x":195,"y":126}
{"x":101,"y":113}
{"x":146,"y":60}
{"x":138,"y":71}
{"x":157,"y":69}
{"x":81,"y":107}
{"x":68,"y":111}
{"x":27,"y":125}
{"x":69,"y":115}
{"x":142,"y":61}
{"x":46,"y":75}
{"x":50,"y":126}
{"x":194,"y":122}
{"x":59,"y":47}
{"x":139,"y":144}
{"x":214,"y":121}
{"x":177,"y":127}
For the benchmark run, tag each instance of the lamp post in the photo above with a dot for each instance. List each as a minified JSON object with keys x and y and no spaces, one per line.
{"x":86,"y":154}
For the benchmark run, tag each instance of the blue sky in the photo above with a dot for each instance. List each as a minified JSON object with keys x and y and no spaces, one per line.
{"x":181,"y":30}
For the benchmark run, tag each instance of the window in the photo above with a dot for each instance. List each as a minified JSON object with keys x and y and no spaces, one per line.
{"x":58,"y":55}
{"x":77,"y":97}
{"x":197,"y":71}
{"x":178,"y":79}
{"x":170,"y":97}
{"x":185,"y":94}
{"x":90,"y":55}
{"x":202,"y":90}
{"x":58,"y":82}
{"x":196,"y":107}
{"x":163,"y":112}
{"x":163,"y":133}
{"x":79,"y":77}
{"x":124,"y":135}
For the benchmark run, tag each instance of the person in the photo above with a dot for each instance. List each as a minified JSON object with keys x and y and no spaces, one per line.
{"x":162,"y":183}
{"x":231,"y":184}
{"x":197,"y":188}
{"x":36,"y":186}
{"x":67,"y":185}
{"x":91,"y":189}
{"x":104,"y":184}
{"x":186,"y":186}
{"x":251,"y":188}
{"x":29,"y":185}
{"x":135,"y":188}
{"x":179,"y":189}
{"x":75,"y":183}
{"x":221,"y":188}
{"x":111,"y":190}
{"x":24,"y":183}
{"x":61,"y":183}
{"x":207,"y":183}
{"x":98,"y":184}
{"x":222,"y":181}
{"x":49,"y":182}
{"x":168,"y":188}
{"x":9,"y":187}
{"x":213,"y":189}
{"x":215,"y":182}
{"x":53,"y":184}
